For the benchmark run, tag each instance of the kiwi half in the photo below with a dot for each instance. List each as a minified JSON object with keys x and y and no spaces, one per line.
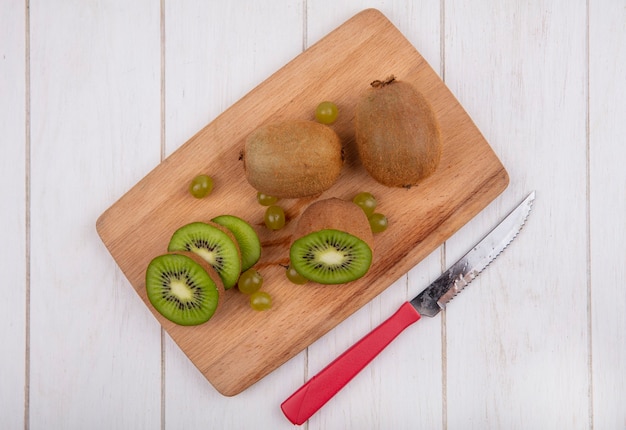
{"x":246,"y":236}
{"x":333,"y":242}
{"x":183,"y":289}
{"x":215,"y":244}
{"x":330,"y":257}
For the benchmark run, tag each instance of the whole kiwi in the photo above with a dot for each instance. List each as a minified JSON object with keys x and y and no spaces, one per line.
{"x":397,"y":134}
{"x":333,"y":242}
{"x":292,"y":159}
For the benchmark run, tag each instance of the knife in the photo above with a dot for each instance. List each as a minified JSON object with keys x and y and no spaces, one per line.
{"x":314,"y":394}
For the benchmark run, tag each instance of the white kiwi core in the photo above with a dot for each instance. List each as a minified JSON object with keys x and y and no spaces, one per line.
{"x":331,"y":257}
{"x":180,"y":289}
{"x":208,"y":256}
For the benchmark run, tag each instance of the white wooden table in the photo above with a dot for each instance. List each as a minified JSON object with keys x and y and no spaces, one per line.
{"x":94,"y":94}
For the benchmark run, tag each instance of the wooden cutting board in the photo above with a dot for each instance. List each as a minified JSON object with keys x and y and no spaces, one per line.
{"x":138,"y":226}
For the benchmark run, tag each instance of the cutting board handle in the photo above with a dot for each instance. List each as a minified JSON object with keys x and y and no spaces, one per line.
{"x":314,"y":394}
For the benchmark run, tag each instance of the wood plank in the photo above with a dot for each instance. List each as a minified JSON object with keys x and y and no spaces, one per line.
{"x":96,"y":123}
{"x":138,"y":226}
{"x":95,"y":352}
{"x":214,"y":54}
{"x":13,"y":229}
{"x":385,"y":394}
{"x":517,"y":338}
{"x":607,"y":92}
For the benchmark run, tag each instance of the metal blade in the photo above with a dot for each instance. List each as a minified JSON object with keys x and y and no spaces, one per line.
{"x":434,"y":298}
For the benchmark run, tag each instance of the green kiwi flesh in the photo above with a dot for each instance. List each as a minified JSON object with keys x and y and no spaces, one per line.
{"x":181,"y":290}
{"x":214,"y":245}
{"x":246,"y":236}
{"x":330,"y":256}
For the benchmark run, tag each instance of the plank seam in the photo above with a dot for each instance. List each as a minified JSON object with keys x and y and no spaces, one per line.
{"x":27,"y":218}
{"x":305,"y":43}
{"x":444,"y":354}
{"x":162,"y":157}
{"x":444,"y":337}
{"x":588,"y":222}
{"x":305,"y":25}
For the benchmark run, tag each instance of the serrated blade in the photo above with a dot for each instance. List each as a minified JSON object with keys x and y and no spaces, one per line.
{"x":435,"y":297}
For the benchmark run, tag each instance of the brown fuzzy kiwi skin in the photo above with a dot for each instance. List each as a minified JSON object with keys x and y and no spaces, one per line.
{"x":292,"y":159}
{"x":210,"y":270}
{"x":337,"y":214}
{"x":397,"y":134}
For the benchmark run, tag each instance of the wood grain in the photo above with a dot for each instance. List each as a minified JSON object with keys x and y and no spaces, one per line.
{"x":607,"y":214}
{"x":542,"y":80}
{"x":511,"y":315}
{"x":233,"y":50}
{"x":13,"y":193}
{"x":413,"y":362}
{"x":138,"y":226}
{"x":86,"y":321}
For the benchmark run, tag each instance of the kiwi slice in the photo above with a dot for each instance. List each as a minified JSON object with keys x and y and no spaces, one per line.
{"x":181,"y":289}
{"x":215,"y":244}
{"x":330,"y":256}
{"x":247,"y":238}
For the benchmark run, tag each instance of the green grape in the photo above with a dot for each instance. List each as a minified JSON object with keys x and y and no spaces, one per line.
{"x":250,"y":281}
{"x":295,"y":277}
{"x":366,"y":201}
{"x":260,"y":301}
{"x":201,"y":186}
{"x":326,"y":112}
{"x":378,"y":222}
{"x":274,"y":217}
{"x":266,"y":200}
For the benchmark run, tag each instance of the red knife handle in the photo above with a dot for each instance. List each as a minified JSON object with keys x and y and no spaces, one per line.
{"x":314,"y":394}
